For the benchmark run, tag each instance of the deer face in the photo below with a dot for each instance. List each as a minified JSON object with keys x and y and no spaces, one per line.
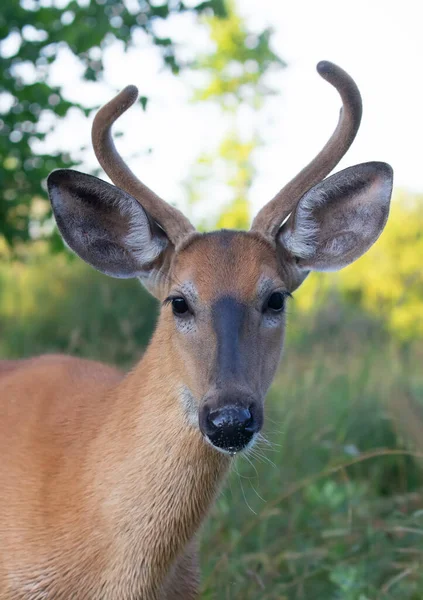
{"x":224,"y":293}
{"x":225,"y":312}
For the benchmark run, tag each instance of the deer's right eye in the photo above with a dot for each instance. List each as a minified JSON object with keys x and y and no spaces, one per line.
{"x":179,"y":306}
{"x":276,"y":302}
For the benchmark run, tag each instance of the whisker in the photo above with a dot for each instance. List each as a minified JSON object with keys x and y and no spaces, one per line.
{"x":262,"y":438}
{"x":272,"y":421}
{"x":243,"y":492}
{"x":262,"y":457}
{"x":254,"y":489}
{"x":245,"y":455}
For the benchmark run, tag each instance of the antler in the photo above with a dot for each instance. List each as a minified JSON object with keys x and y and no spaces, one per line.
{"x":271,"y":216}
{"x":169,"y":218}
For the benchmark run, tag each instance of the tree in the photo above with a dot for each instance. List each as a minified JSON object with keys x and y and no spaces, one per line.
{"x":31,"y":34}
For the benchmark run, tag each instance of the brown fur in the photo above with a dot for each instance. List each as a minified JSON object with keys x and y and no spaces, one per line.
{"x":104,"y":481}
{"x":106,"y":478}
{"x":103,"y":501}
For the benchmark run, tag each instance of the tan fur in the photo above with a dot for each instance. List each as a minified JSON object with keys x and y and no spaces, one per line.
{"x":104,"y":480}
{"x":105,"y":477}
{"x":247,"y":256}
{"x":102,"y":502}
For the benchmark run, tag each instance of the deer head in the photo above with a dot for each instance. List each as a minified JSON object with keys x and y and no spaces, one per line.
{"x":223,"y":293}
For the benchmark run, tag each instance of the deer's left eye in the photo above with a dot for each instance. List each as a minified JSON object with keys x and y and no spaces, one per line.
{"x":276,"y":302}
{"x":179,"y":306}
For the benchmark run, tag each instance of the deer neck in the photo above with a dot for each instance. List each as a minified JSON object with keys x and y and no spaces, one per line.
{"x":162,"y":477}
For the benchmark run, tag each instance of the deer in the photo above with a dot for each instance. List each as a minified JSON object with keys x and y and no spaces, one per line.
{"x":106,"y":477}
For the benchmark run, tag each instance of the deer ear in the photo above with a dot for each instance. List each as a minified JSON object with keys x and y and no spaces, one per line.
{"x":104,"y":225}
{"x":339,"y":219}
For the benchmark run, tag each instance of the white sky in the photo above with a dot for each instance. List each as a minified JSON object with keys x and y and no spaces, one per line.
{"x":377,"y":42}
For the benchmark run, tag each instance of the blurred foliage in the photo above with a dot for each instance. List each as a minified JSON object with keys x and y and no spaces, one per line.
{"x":237,"y":69}
{"x":32,"y":33}
{"x":53,"y":304}
{"x":233,"y":161}
{"x":237,"y":75}
{"x":387,"y":282}
{"x":236,"y":155}
{"x":330,"y":506}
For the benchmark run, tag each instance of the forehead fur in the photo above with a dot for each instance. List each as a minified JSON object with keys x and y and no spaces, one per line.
{"x":226,"y":262}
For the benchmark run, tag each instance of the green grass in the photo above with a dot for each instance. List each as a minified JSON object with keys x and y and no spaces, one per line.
{"x":60,"y":305}
{"x":330,"y":507}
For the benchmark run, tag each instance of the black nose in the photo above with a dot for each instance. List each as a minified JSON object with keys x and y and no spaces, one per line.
{"x":230,"y":428}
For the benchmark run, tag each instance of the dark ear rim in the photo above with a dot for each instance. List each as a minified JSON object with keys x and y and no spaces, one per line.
{"x":72,"y":172}
{"x":70,"y":180}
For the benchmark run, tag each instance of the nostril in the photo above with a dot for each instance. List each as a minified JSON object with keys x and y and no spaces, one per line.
{"x":212,"y":421}
{"x":230,"y":417}
{"x":219,"y":418}
{"x":245,"y":417}
{"x":250,"y":424}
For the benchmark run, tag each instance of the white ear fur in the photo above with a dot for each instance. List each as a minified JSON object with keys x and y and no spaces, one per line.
{"x":104,"y":225}
{"x":302,"y":240}
{"x":339,"y":219}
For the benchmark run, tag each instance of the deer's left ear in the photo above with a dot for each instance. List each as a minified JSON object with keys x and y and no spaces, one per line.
{"x":339,"y":219}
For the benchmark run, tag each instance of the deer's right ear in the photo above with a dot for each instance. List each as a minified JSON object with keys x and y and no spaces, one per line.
{"x":104,"y":225}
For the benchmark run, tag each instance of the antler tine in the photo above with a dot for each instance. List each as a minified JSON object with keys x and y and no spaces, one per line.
{"x":271,"y":216}
{"x":169,"y":218}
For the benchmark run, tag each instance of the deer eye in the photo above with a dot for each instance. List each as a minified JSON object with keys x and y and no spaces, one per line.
{"x":276,"y":302}
{"x":179,"y":306}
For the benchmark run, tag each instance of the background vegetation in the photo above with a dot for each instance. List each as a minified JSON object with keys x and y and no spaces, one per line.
{"x":330,"y":505}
